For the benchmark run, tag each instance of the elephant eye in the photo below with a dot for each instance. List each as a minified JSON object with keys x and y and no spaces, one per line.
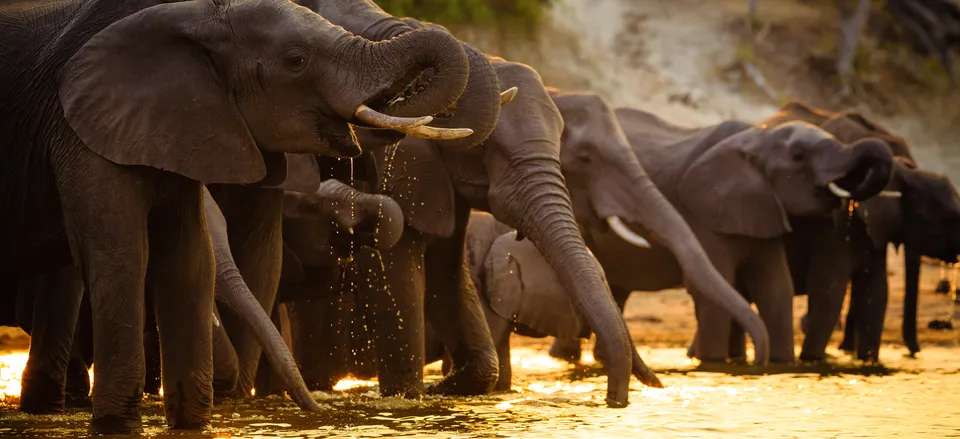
{"x":797,"y":156}
{"x":295,"y":59}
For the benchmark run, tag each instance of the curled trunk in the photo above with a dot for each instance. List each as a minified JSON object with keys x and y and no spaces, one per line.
{"x":233,"y":292}
{"x":477,"y":108}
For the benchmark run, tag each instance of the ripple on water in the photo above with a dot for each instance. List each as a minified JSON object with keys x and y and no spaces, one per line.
{"x":552,"y":398}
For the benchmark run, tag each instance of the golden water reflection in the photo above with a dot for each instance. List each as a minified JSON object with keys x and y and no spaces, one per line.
{"x":912,"y":398}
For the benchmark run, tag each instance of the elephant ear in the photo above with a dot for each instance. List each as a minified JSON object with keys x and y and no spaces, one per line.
{"x":302,"y":174}
{"x":415,"y":176}
{"x":523,"y":288}
{"x":725,"y":192}
{"x":144,"y":91}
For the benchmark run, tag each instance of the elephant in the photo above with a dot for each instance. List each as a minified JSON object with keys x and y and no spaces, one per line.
{"x":918,"y":209}
{"x":110,"y":150}
{"x":258,"y":241}
{"x":318,"y":281}
{"x":714,"y":176}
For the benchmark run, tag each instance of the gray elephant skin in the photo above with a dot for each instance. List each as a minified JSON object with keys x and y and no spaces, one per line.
{"x":113,"y":114}
{"x":919,"y":209}
{"x":735,"y":185}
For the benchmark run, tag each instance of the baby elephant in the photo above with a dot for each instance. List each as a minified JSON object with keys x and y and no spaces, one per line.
{"x":521,"y":293}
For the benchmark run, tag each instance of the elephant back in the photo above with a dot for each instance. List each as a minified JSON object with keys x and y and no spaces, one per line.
{"x":522,"y":288}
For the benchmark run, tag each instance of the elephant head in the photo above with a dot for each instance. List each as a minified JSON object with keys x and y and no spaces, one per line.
{"x":477,"y":108}
{"x":610,"y":187}
{"x":203,"y":87}
{"x":322,"y":227}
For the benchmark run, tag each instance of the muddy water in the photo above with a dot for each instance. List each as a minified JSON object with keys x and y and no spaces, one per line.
{"x":907,"y":397}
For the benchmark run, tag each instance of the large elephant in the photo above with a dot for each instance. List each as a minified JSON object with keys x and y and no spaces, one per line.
{"x":115,"y":111}
{"x":735,"y":185}
{"x":257,"y":241}
{"x":918,"y":209}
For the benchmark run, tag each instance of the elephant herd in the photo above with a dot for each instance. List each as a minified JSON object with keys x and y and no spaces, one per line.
{"x":189,"y":186}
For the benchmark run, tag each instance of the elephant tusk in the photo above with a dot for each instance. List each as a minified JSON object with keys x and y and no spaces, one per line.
{"x":890,"y":194}
{"x":425,"y":132}
{"x":621,"y":229}
{"x":508,"y":95}
{"x":216,"y":321}
{"x":380,"y":120}
{"x":838,"y":191}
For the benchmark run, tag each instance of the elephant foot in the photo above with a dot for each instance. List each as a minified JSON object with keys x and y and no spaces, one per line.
{"x":847,"y":346}
{"x":477,"y":377}
{"x":813,"y":358}
{"x":113,"y":424}
{"x":40,"y":395}
{"x":406,"y":392}
{"x":78,"y":402}
{"x":566,"y":350}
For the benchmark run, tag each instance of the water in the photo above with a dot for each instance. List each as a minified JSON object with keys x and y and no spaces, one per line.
{"x":908,"y":397}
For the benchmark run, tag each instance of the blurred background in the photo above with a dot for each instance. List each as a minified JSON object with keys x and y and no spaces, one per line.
{"x":700,"y":61}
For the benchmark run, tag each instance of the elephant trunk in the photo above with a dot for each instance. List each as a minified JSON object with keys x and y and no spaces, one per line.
{"x":869,"y":166}
{"x":542,"y":211}
{"x":649,"y":206}
{"x":911,"y":291}
{"x":232,"y":291}
{"x":478,"y":106}
{"x":399,"y":62}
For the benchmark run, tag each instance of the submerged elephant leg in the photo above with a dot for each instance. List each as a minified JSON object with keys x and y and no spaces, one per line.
{"x":78,"y":380}
{"x":392,"y":287}
{"x":181,"y":273}
{"x":869,"y":290}
{"x":151,"y":347}
{"x":711,"y":341}
{"x":253,"y":216}
{"x":768,"y":283}
{"x":316,"y":341}
{"x":454,"y":311}
{"x":56,"y":304}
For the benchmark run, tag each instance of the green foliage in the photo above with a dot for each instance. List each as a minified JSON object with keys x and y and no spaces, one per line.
{"x":492,"y":13}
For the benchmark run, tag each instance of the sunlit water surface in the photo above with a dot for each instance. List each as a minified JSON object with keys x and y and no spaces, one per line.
{"x":908,"y":398}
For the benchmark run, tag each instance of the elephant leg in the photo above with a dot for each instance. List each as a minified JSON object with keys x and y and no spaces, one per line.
{"x":317,"y":344}
{"x":869,"y":290}
{"x":454,"y":311}
{"x":108,"y":244}
{"x":253,"y":216}
{"x":181,"y":275}
{"x":267,"y":381}
{"x":766,"y":280}
{"x":392,"y":287}
{"x":711,"y":341}
{"x":78,"y":379}
{"x":500,"y":330}
{"x":826,"y":287}
{"x":56,"y":306}
{"x":226,"y":370}
{"x":567,"y":349}
{"x":151,"y":348}
{"x":849,"y":342}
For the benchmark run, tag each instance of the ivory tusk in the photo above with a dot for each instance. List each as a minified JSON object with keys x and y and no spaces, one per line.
{"x":216,"y":321}
{"x":427,"y":132}
{"x":838,"y":191}
{"x":508,"y":95}
{"x":380,"y":120}
{"x":890,"y":194}
{"x":621,"y":229}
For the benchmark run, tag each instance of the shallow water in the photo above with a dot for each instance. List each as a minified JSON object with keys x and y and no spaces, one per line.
{"x":911,"y":397}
